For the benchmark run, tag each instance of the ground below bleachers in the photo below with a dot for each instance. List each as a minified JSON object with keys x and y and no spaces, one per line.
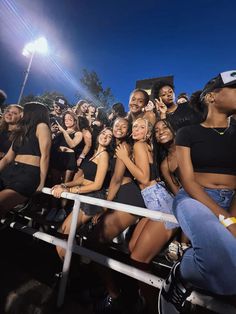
{"x":28,"y":284}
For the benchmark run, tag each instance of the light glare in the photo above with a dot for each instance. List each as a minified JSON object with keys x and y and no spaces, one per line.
{"x":40,"y":45}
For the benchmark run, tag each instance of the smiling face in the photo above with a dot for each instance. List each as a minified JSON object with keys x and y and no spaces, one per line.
{"x":163,"y":133}
{"x":105,"y":137}
{"x":167,"y":95}
{"x":120,"y":128}
{"x":140,"y":130}
{"x":137,"y":102}
{"x":12,"y":115}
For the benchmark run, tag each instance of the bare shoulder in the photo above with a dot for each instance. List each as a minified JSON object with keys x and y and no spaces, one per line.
{"x":139,"y":146}
{"x":42,"y":126}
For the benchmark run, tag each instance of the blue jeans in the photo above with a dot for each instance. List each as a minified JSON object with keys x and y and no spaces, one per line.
{"x":156,"y":197}
{"x":211,"y":262}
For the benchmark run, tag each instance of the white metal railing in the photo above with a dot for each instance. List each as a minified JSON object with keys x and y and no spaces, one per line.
{"x":70,"y":246}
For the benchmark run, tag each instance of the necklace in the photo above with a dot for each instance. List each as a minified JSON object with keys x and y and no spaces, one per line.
{"x":220,"y":132}
{"x":97,"y":154}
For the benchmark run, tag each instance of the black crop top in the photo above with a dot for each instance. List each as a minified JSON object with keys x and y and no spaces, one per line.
{"x":89,"y":169}
{"x":153,"y":171}
{"x":113,"y":164}
{"x":210,"y":151}
{"x":29,"y":145}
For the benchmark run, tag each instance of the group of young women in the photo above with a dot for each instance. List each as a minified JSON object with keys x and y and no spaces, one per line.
{"x":139,"y":162}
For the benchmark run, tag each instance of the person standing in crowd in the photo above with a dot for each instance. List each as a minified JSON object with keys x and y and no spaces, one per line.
{"x":3,"y":97}
{"x":63,"y":157}
{"x":182,"y":99}
{"x":117,"y":111}
{"x":90,"y":115}
{"x":167,"y":108}
{"x":89,"y":180}
{"x":12,"y":115}
{"x":59,"y":106}
{"x":202,"y":207}
{"x":84,"y":148}
{"x":24,"y":168}
{"x":81,"y":108}
{"x":137,"y":102}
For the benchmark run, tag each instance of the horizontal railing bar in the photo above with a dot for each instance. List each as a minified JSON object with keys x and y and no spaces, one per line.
{"x":135,"y":210}
{"x":150,"y":279}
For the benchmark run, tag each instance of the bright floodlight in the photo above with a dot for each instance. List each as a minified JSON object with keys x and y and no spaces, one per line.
{"x":40,"y":45}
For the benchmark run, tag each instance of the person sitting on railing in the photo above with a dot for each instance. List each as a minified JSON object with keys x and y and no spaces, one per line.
{"x":24,"y":168}
{"x":11,"y":116}
{"x":124,"y":190}
{"x":206,"y":155}
{"x":165,"y":152}
{"x":149,"y":235}
{"x":89,"y":180}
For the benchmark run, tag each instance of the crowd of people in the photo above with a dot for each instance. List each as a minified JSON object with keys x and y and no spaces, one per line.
{"x":176,"y":157}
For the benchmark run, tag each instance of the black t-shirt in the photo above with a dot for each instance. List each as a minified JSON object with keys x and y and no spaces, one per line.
{"x":210,"y":151}
{"x":184,"y":115}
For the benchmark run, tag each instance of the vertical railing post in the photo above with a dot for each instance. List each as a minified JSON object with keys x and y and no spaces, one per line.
{"x":68,"y":254}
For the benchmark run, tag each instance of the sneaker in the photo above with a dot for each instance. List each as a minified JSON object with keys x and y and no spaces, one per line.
{"x":184,"y":247}
{"x":173,"y":252}
{"x":173,"y":293}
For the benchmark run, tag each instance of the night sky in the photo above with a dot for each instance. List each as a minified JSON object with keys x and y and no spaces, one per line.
{"x":123,"y":41}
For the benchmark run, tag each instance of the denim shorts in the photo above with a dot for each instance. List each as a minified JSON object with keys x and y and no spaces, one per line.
{"x":223,"y":197}
{"x":157,"y":197}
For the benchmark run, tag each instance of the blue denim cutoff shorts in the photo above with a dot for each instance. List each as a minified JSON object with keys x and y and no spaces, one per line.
{"x":156,"y":197}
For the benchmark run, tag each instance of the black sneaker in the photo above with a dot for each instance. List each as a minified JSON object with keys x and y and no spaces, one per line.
{"x":173,"y":294}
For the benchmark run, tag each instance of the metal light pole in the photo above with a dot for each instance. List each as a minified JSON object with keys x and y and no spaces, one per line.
{"x":40,"y":46}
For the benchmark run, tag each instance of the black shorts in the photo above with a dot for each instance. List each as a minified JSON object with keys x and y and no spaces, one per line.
{"x":130,"y":194}
{"x":22,"y":178}
{"x":92,"y":210}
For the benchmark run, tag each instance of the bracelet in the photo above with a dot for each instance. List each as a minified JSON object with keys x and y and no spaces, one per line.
{"x":227,"y":221}
{"x":81,"y":156}
{"x":63,"y":185}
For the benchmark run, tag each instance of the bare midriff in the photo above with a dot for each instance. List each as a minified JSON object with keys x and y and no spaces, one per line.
{"x":28,"y":159}
{"x":216,"y":180}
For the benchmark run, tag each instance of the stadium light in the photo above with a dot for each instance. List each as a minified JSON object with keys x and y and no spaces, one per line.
{"x":40,"y":45}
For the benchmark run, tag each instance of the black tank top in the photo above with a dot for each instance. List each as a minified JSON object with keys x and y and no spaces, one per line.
{"x":29,"y":145}
{"x":89,"y":169}
{"x":153,"y":171}
{"x":113,"y":164}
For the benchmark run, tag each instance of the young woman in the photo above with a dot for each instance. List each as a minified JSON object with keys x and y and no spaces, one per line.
{"x":11,"y":117}
{"x":90,"y":116}
{"x":149,"y":236}
{"x":81,"y":108}
{"x":122,"y":189}
{"x":165,"y":151}
{"x":206,"y":155}
{"x":89,"y":180}
{"x":24,"y":168}
{"x":63,"y":161}
{"x":84,"y":148}
{"x":137,"y":102}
